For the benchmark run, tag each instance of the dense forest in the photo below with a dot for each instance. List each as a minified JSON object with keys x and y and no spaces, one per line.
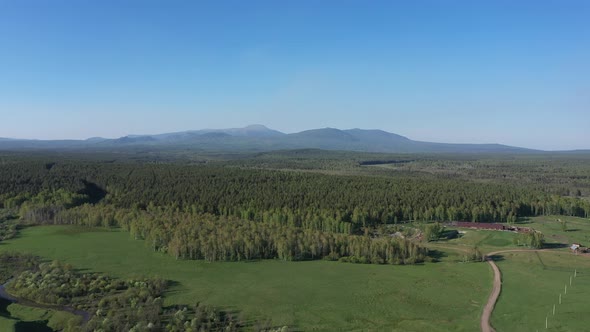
{"x":329,"y":202}
{"x":269,"y":206}
{"x":288,"y":205}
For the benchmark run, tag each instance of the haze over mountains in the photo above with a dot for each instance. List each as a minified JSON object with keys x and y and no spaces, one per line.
{"x":261,"y":138}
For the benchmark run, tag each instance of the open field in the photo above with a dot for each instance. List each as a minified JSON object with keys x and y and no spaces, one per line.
{"x":531,"y":284}
{"x":577,"y":230}
{"x":28,"y":319}
{"x":532,"y":281}
{"x":535,"y":280}
{"x":18,"y":318}
{"x":7,"y":324}
{"x":484,"y":240}
{"x":321,"y":295}
{"x":315,"y":295}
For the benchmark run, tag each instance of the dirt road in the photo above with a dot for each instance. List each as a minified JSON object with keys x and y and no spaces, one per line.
{"x":485,"y":324}
{"x":496,"y":288}
{"x":489,"y":307}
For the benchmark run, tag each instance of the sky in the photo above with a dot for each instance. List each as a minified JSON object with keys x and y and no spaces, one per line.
{"x":510,"y":72}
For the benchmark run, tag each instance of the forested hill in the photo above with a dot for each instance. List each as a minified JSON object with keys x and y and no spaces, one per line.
{"x":261,"y":138}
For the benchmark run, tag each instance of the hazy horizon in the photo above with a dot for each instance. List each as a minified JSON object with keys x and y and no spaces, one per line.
{"x":453,"y":72}
{"x":258,"y":124}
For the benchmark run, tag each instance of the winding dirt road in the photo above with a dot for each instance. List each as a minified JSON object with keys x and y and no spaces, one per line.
{"x":489,"y":307}
{"x":496,"y":288}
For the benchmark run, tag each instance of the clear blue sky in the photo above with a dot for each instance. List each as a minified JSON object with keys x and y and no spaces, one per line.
{"x":512,"y":72}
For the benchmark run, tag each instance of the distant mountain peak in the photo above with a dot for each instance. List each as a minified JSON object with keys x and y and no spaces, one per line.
{"x":325,"y":133}
{"x":133,"y":140}
{"x":95,"y":139}
{"x":253,"y":130}
{"x":376,"y":135}
{"x":258,"y":137}
{"x":257,"y":127}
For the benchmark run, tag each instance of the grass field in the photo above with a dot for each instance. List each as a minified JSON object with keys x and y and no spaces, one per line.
{"x":483,"y":239}
{"x":311,"y":296}
{"x":36,"y":319}
{"x":18,"y":318}
{"x":578,"y":229}
{"x":531,"y":284}
{"x":7,"y":324}
{"x":331,"y":296}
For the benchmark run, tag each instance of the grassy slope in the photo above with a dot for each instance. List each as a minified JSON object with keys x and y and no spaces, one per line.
{"x":531,"y":286}
{"x":483,"y":239}
{"x":23,"y":318}
{"x":578,"y":229}
{"x":532,"y":282}
{"x":56,"y":320}
{"x":315,"y":295}
{"x":7,"y":324}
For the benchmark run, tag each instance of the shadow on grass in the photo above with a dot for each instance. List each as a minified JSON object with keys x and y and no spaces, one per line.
{"x":4,"y":307}
{"x":523,"y":220}
{"x":172,"y":283}
{"x":497,"y":258}
{"x":174,"y":287}
{"x":437,"y":255}
{"x":554,"y":245}
{"x":450,"y":234}
{"x":37,"y":326}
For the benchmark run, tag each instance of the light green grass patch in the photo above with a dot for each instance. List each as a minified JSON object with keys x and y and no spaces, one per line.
{"x":578,"y":229}
{"x":56,"y":320}
{"x":484,"y":240}
{"x":7,"y":324}
{"x":531,"y":284}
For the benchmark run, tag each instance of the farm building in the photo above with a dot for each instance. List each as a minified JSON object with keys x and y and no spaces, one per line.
{"x":489,"y":226}
{"x":578,"y":248}
{"x":478,"y":225}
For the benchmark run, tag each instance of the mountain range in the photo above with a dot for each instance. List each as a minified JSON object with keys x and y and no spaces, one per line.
{"x":261,"y":138}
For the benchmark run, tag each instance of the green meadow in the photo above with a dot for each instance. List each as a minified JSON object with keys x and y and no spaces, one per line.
{"x":7,"y":324}
{"x":484,"y":240}
{"x":332,"y":296}
{"x":531,"y":284}
{"x":577,"y":230}
{"x":311,"y":296}
{"x":27,"y":319}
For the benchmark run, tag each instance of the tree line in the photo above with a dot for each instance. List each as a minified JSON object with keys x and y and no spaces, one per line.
{"x":325,"y":202}
{"x":218,"y":238}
